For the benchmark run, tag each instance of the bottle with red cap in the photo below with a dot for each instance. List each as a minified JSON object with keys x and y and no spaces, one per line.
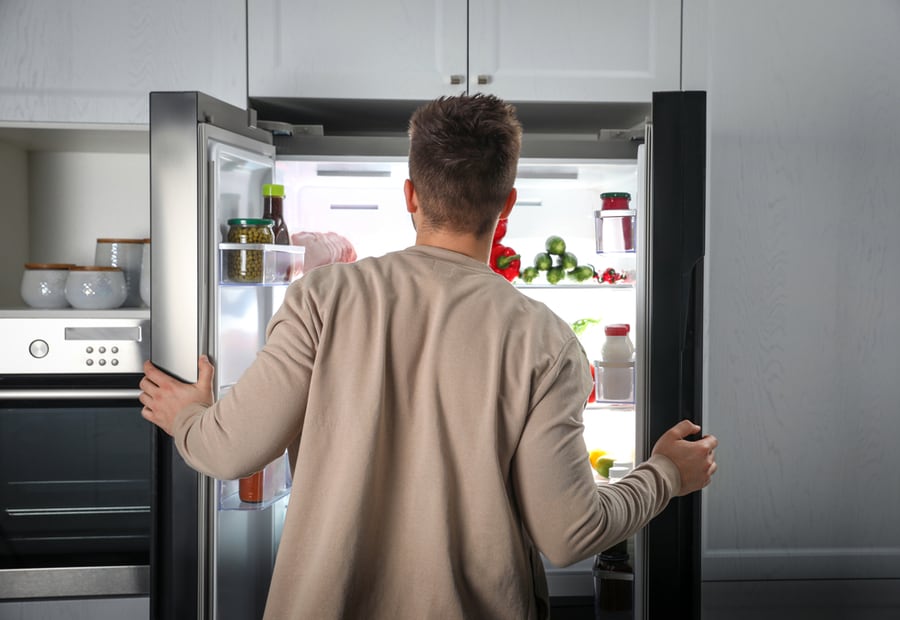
{"x":617,"y":353}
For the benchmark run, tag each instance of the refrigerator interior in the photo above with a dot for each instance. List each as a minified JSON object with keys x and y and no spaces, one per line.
{"x":362,"y":200}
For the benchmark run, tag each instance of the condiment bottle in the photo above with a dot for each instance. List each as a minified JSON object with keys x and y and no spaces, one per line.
{"x":614,"y":583}
{"x":252,"y":488}
{"x":273,"y":209}
{"x":617,"y":353}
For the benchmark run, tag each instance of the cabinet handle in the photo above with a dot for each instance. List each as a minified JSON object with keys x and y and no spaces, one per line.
{"x":484,"y":79}
{"x":457,"y":79}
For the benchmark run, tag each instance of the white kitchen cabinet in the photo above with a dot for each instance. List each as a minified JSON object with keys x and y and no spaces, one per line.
{"x":522,"y":51}
{"x":350,"y":49}
{"x":570,"y":50}
{"x":96,"y":62}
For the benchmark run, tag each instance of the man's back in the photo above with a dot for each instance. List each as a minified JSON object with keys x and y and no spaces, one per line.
{"x":403,"y":504}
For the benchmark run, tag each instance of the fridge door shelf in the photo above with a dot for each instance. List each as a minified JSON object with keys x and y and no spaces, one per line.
{"x":615,"y":231}
{"x":614,"y":382}
{"x":275,"y":486}
{"x":260,"y":264}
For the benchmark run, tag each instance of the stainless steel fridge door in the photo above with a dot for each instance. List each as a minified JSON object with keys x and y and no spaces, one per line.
{"x":200,"y":150}
{"x":190,"y":151}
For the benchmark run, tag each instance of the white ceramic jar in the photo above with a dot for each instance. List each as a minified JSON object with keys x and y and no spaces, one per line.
{"x":126,"y":254}
{"x":96,"y":287}
{"x":145,"y":273}
{"x":44,"y":285}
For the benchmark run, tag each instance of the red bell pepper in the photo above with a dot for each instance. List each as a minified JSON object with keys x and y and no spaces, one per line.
{"x":500,"y":231}
{"x":505,"y":261}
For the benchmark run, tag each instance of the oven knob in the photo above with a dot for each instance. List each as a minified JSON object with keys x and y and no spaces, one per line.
{"x":38,"y":348}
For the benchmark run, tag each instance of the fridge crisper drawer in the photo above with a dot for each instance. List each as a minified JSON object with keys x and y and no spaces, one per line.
{"x":260,"y":263}
{"x":276,"y":484}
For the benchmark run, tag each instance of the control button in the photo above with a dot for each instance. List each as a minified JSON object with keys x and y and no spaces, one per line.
{"x":90,"y":362}
{"x":102,"y":362}
{"x":114,"y":350}
{"x":89,"y":350}
{"x":38,"y":348}
{"x":101,"y":350}
{"x":114,"y":362}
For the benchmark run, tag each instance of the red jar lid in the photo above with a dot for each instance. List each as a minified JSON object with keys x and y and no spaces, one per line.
{"x":617,"y":329}
{"x":615,"y":200}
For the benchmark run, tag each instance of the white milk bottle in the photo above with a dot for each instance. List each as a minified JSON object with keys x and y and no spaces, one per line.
{"x":617,"y":353}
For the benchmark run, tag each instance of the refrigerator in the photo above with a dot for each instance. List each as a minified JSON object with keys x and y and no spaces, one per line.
{"x":343,"y":171}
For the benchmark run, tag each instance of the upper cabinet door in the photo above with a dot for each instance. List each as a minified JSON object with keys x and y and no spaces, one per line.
{"x":96,"y":62}
{"x":571,"y":50}
{"x":355,"y":49}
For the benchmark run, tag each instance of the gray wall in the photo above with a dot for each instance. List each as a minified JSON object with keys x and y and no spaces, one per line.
{"x":802,"y":334}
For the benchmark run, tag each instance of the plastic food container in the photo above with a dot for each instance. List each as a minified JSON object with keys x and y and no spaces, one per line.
{"x":247,"y":265}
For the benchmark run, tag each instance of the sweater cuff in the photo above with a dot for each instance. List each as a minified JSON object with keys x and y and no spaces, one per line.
{"x":669,"y":472}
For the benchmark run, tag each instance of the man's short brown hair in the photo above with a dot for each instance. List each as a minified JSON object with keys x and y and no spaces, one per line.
{"x":463,"y":156}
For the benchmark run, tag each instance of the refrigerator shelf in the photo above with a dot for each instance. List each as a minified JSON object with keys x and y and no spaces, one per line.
{"x":233,"y":502}
{"x":592,"y":286}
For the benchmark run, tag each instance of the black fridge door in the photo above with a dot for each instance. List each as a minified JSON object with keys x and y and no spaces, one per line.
{"x":674,"y":391}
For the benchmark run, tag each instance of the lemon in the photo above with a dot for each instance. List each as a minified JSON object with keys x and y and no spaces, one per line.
{"x":593,"y":455}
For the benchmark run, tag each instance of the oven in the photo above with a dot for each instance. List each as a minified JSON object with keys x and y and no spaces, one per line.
{"x":75,"y":455}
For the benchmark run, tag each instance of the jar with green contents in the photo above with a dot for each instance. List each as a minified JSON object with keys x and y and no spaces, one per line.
{"x":247,"y":265}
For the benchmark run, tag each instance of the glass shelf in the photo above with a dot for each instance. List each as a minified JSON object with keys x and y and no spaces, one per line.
{"x":594,"y":286}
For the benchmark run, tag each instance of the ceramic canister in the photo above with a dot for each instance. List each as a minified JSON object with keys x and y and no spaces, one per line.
{"x":95,"y":287}
{"x":126,"y":254}
{"x":44,"y":285}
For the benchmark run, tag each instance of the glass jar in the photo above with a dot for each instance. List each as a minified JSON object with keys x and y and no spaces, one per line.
{"x":247,"y":265}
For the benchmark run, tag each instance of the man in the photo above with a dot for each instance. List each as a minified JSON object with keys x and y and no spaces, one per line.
{"x":431,"y":412}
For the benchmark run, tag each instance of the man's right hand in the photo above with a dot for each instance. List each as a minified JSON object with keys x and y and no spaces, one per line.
{"x":695,"y":459}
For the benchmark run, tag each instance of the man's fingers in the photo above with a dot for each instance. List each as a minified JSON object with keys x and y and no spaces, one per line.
{"x":684,"y":429}
{"x":205,"y":371}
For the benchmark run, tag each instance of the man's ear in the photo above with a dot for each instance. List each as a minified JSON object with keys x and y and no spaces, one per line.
{"x":412,"y":199}
{"x":510,"y":203}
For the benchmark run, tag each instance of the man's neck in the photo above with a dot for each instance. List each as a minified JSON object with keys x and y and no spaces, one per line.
{"x":471,"y":246}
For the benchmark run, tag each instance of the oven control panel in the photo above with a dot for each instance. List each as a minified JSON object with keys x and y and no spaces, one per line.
{"x":74,"y":342}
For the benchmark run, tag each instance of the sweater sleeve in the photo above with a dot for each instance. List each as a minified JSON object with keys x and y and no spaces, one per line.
{"x":567,"y":515}
{"x":263,"y":413}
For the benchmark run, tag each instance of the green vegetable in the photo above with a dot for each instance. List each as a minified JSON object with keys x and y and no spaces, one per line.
{"x":582,"y":273}
{"x":581,"y":325}
{"x":529,"y":274}
{"x":555,"y":275}
{"x":555,"y":245}
{"x":568,"y":261}
{"x":543,"y":261}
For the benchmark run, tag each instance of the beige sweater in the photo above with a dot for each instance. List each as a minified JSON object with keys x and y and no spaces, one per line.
{"x":433,"y":416}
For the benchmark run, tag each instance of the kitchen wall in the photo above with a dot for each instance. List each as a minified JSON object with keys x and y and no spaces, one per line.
{"x":803,"y":345}
{"x":14,"y":214}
